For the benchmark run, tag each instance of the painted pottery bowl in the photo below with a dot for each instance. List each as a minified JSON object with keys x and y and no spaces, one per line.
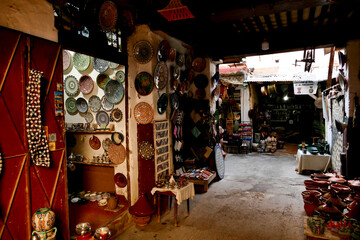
{"x":43,"y":219}
{"x":83,"y":229}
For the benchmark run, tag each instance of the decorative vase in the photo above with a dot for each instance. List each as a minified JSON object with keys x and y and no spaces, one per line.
{"x":43,"y":219}
{"x":142,"y":211}
{"x":46,"y":235}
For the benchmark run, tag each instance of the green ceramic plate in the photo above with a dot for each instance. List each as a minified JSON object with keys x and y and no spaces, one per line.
{"x":102,"y":79}
{"x":71,"y":105}
{"x":114,"y":91}
{"x":120,"y":76}
{"x":144,"y":83}
{"x":81,"y":61}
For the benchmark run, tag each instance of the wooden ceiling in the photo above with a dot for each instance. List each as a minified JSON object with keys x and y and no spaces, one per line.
{"x":225,"y":29}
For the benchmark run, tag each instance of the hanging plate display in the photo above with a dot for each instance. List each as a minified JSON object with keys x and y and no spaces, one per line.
{"x":219,"y":161}
{"x":89,"y":117}
{"x":146,"y":150}
{"x":94,"y":142}
{"x":102,"y":119}
{"x":172,"y":54}
{"x":81,"y":61}
{"x":162,"y":103}
{"x":86,"y":84}
{"x":100,"y":65}
{"x":66,"y":60}
{"x":117,"y":138}
{"x":143,"y":52}
{"x":163,"y":51}
{"x":71,"y":105}
{"x":106,"y":105}
{"x":81,"y":105}
{"x":102,"y":79}
{"x":160,"y":75}
{"x":108,"y":15}
{"x":174,"y":100}
{"x":71,"y":86}
{"x":199,"y":64}
{"x":120,"y":76}
{"x":201,"y":81}
{"x":113,"y":65}
{"x":94,"y":103}
{"x":117,"y":153}
{"x":114,"y":91}
{"x":120,"y":180}
{"x":106,"y":144}
{"x":144,"y":83}
{"x":180,"y":59}
{"x":116,"y":115}
{"x":143,"y":113}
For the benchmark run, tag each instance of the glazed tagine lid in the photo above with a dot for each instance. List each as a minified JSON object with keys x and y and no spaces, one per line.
{"x":329,"y":211}
{"x":142,"y":207}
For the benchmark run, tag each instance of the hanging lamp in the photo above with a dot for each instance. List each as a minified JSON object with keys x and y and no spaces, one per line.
{"x":176,"y":11}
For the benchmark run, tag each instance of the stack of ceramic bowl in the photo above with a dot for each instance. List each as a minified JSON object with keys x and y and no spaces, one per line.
{"x":102,"y":233}
{"x":83,"y":231}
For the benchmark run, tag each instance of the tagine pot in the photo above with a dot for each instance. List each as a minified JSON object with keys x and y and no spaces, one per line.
{"x":311,"y":201}
{"x":43,"y":219}
{"x":354,"y":209}
{"x":142,"y":211}
{"x":328,"y":211}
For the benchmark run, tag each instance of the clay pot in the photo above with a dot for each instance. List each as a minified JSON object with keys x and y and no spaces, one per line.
{"x":112,"y":203}
{"x":354,"y":209}
{"x":141,"y":221}
{"x":311,"y":201}
{"x":328,"y":211}
{"x":336,"y":200}
{"x":43,"y":219}
{"x":342,"y":190}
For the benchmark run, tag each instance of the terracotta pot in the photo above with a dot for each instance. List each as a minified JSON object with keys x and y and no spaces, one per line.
{"x":43,"y":219}
{"x":142,"y":221}
{"x":328,"y":211}
{"x":342,"y":190}
{"x":311,"y":201}
{"x":354,"y":209}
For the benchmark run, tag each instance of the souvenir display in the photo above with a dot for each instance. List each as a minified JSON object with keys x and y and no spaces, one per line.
{"x":102,"y":119}
{"x":116,"y":115}
{"x":172,"y":54}
{"x":161,"y":75}
{"x":144,"y":83}
{"x":114,"y":91}
{"x":120,"y":76}
{"x":161,"y":149}
{"x":102,"y":79}
{"x":86,"y":84}
{"x":94,"y":103}
{"x":162,"y":103}
{"x":143,"y":113}
{"x":66,"y":60}
{"x":117,"y":138}
{"x":143,"y":52}
{"x":36,"y":137}
{"x":219,"y":162}
{"x":201,"y":81}
{"x":89,"y":117}
{"x":106,"y":144}
{"x":199,"y":64}
{"x":180,"y":59}
{"x":106,"y":105}
{"x":94,"y":142}
{"x":70,"y":104}
{"x":81,"y":105}
{"x":113,"y":65}
{"x":117,"y":153}
{"x":81,"y":61}
{"x":146,"y":150}
{"x":163,"y":51}
{"x":120,"y":180}
{"x":71,"y":86}
{"x":100,"y":65}
{"x":108,"y":15}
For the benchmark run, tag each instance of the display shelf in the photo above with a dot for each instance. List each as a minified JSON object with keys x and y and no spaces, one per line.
{"x":161,"y":133}
{"x":95,"y":164}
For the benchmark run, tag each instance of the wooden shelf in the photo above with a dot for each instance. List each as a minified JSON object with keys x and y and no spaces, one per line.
{"x":92,"y":132}
{"x":95,"y":164}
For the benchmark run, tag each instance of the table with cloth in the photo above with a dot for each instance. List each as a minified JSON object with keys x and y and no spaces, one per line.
{"x":180,"y":195}
{"x":315,"y":162}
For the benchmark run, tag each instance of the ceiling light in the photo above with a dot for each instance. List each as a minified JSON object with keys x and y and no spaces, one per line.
{"x":265,"y":45}
{"x":286,"y":98}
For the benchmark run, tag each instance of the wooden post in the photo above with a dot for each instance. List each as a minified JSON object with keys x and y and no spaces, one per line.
{"x":331,"y":64}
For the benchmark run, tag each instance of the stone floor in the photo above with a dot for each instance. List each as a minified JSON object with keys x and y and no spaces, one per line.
{"x":259,"y":198}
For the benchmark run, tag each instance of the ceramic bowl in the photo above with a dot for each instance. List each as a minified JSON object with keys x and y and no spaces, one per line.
{"x":83,"y":228}
{"x":102,"y":233}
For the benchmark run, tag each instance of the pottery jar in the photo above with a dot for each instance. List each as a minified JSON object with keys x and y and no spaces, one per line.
{"x":328,"y":211}
{"x":43,"y":219}
{"x":311,"y":201}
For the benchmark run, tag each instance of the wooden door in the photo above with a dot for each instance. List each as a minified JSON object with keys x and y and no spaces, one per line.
{"x":25,"y":187}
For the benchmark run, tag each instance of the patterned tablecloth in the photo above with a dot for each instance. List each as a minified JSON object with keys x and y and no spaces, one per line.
{"x":317,"y":162}
{"x":181,"y":194}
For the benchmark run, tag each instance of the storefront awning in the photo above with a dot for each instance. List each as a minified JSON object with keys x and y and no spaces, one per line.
{"x":233,"y":73}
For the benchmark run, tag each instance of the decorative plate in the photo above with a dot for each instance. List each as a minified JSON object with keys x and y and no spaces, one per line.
{"x":81,"y":105}
{"x":114,"y":91}
{"x":102,"y":119}
{"x":117,"y":153}
{"x":144,"y":83}
{"x":113,"y":65}
{"x":143,"y":51}
{"x":117,"y":138}
{"x":163,"y":51}
{"x":102,"y":79}
{"x":94,"y":142}
{"x":108,"y":15}
{"x":199,"y":64}
{"x":94,"y":103}
{"x":176,"y":72}
{"x":180,"y":59}
{"x":86,"y":84}
{"x":162,"y":103}
{"x":127,"y":24}
{"x":81,"y":61}
{"x":201,"y":81}
{"x":100,"y":65}
{"x":200,"y":93}
{"x":66,"y":60}
{"x":172,"y":54}
{"x":174,"y":100}
{"x":146,"y":150}
{"x":120,"y":76}
{"x":106,"y":144}
{"x":219,"y":161}
{"x":120,"y":180}
{"x":143,"y":113}
{"x":71,"y":105}
{"x":160,"y":75}
{"x":89,"y":117}
{"x":116,"y":115}
{"x":106,"y":105}
{"x":71,"y":86}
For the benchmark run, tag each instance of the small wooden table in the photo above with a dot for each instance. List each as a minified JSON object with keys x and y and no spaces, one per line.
{"x":182,"y":194}
{"x":204,"y":183}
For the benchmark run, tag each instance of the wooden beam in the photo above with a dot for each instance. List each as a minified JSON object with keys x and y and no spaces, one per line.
{"x":52,"y":73}
{"x":331,"y":64}
{"x":259,"y":24}
{"x":57,"y":178}
{"x":323,"y":15}
{"x":278,"y":20}
{"x":250,"y":25}
{"x":268,"y":23}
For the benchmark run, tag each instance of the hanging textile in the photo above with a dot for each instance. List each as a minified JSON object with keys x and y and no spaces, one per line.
{"x":38,"y":145}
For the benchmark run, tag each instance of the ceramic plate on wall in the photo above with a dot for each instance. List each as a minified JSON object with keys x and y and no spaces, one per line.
{"x":66,"y":60}
{"x":71,"y":86}
{"x":144,"y":83}
{"x":117,"y":153}
{"x":143,"y":52}
{"x":81,"y":61}
{"x":102,"y":79}
{"x":94,"y":103}
{"x":161,"y":75}
{"x":106,"y":105}
{"x":114,"y":91}
{"x":102,"y":119}
{"x":201,"y":81}
{"x":117,"y":138}
{"x":89,"y":117}
{"x":163,"y":51}
{"x":162,"y":103}
{"x":86,"y":84}
{"x":70,"y":104}
{"x":106,"y":144}
{"x":120,"y":180}
{"x":143,"y":113}
{"x":100,"y":65}
{"x":81,"y":105}
{"x":146,"y":150}
{"x":113,"y":65}
{"x":199,"y":64}
{"x":108,"y":15}
{"x":120,"y":76}
{"x":116,"y":115}
{"x":94,"y":142}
